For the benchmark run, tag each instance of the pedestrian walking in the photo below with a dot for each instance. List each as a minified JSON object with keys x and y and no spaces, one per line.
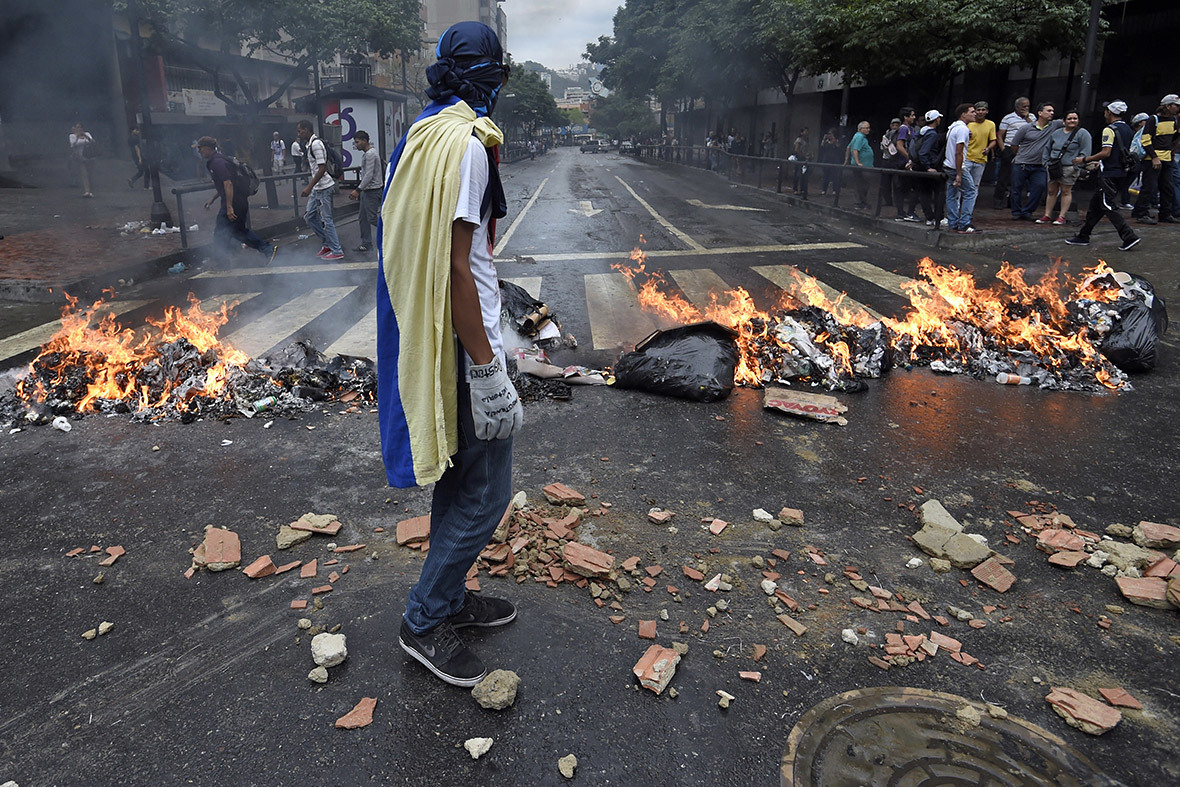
{"x":860,"y":154}
{"x":802,"y":156}
{"x":368,"y":189}
{"x":961,"y":188}
{"x":233,"y":218}
{"x":447,"y":409}
{"x":1067,"y":143}
{"x":981,"y":147}
{"x":830,"y":153}
{"x":1116,"y":139}
{"x":278,"y":154}
{"x":1159,"y":140}
{"x":1015,"y":120}
{"x":903,"y":187}
{"x":135,"y":143}
{"x":81,"y":160}
{"x":298,"y":159}
{"x":927,"y":157}
{"x":1029,"y":179}
{"x":319,"y":191}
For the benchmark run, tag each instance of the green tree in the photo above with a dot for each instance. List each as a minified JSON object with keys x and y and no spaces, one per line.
{"x":572,"y":116}
{"x":621,"y":116}
{"x":212,"y":34}
{"x":525,"y":104}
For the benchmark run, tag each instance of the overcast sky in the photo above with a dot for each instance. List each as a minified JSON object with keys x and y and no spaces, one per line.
{"x":555,"y":32}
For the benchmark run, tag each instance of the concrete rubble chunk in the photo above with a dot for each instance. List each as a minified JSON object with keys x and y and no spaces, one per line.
{"x":262,"y":567}
{"x":791,"y":516}
{"x":940,"y":565}
{"x":1086,"y":713}
{"x":221,"y":550}
{"x":560,"y":494}
{"x":656,"y":667}
{"x":567,"y":765}
{"x":477,"y":747}
{"x":1125,"y":556}
{"x":849,"y":636}
{"x":1146,"y":592}
{"x":89,"y":633}
{"x":325,"y":524}
{"x":413,"y":530}
{"x":587,"y":561}
{"x":318,"y":675}
{"x":965,"y":552}
{"x":933,"y":513}
{"x":1153,"y":535}
{"x":360,"y":716}
{"x":1174,"y":591}
{"x":105,"y":627}
{"x":768,"y":587}
{"x":761,"y":515}
{"x":497,"y":691}
{"x":328,"y":650}
{"x":289,"y":537}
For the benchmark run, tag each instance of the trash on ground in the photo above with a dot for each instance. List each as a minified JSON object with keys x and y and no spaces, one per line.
{"x":817,"y":407}
{"x":694,"y":361}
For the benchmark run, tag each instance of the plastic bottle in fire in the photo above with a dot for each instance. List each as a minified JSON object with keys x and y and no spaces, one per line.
{"x":265,"y":403}
{"x":1003,"y":378}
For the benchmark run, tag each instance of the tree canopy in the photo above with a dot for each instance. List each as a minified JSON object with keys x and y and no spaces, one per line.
{"x":211,"y":33}
{"x":525,"y":104}
{"x":622,"y":116}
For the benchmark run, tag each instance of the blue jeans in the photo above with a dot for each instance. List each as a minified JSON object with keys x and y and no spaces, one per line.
{"x":1035,"y":179}
{"x":318,"y":215}
{"x":367,"y":218}
{"x":960,"y":200}
{"x":467,"y":505}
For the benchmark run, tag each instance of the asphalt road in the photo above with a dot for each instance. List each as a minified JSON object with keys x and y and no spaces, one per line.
{"x":203,"y":681}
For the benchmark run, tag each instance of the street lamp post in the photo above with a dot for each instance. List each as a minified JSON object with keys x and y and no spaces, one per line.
{"x":159,"y":213}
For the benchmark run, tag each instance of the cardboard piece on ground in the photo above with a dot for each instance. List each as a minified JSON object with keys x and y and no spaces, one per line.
{"x":817,"y":407}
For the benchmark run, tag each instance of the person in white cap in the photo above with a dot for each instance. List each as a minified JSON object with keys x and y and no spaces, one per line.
{"x":1111,"y":158}
{"x":927,"y":157}
{"x":1159,"y":140}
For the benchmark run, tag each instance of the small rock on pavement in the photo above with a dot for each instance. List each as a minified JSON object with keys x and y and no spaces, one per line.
{"x":761,"y":515}
{"x":940,"y":565}
{"x":849,"y":636}
{"x":477,"y":747}
{"x":791,"y":516}
{"x":498,"y":690}
{"x":360,"y":716}
{"x":769,"y":586}
{"x":89,"y":633}
{"x":726,"y":698}
{"x":1086,"y":713}
{"x":304,"y":624}
{"x":914,"y":562}
{"x":567,"y":765}
{"x":328,"y":650}
{"x":105,"y":627}
{"x":318,"y":675}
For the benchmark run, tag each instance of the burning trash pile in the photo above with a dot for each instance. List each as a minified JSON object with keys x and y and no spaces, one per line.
{"x":1104,"y":325}
{"x":173,"y":367}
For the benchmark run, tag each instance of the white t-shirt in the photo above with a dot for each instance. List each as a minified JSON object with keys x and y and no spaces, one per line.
{"x":315,"y":157}
{"x":958,"y":132}
{"x":473,"y":181}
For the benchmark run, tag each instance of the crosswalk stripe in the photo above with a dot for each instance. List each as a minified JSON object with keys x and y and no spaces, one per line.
{"x":615,"y":316}
{"x":697,"y":252}
{"x":785,"y":277}
{"x":697,"y":283}
{"x":886,"y":280}
{"x":215,"y":302}
{"x":265,"y":332}
{"x":360,"y":339}
{"x":279,"y":270}
{"x":35,"y":337}
{"x":530,"y":284}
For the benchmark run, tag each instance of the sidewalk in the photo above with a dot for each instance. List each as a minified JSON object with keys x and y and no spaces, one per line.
{"x":54,"y":239}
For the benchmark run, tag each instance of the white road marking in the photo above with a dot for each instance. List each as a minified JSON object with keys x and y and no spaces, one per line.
{"x":214,"y":302}
{"x":268,"y":330}
{"x":586,"y":208}
{"x":692,"y":244}
{"x":697,"y":252}
{"x":784,"y":277}
{"x":696,"y":203}
{"x":530,"y":284}
{"x":613,"y":308}
{"x":37,"y":336}
{"x":516,"y":222}
{"x":697,"y":283}
{"x":278,"y":270}
{"x":886,"y":280}
{"x":360,"y":339}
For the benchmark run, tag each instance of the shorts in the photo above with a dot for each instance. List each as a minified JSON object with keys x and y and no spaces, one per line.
{"x":1069,"y":174}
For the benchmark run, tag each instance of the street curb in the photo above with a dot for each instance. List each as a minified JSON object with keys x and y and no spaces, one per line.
{"x":42,"y":291}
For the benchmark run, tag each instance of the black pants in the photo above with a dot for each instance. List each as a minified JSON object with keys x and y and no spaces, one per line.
{"x":226,"y":232}
{"x":799,"y":179}
{"x":902,"y":194}
{"x":1154,"y":179}
{"x":1003,"y":179}
{"x":1105,"y":202}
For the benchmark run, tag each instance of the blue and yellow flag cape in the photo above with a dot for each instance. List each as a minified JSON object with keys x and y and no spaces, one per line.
{"x":416,"y":361}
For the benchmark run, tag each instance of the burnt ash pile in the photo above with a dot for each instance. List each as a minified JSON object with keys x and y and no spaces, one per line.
{"x":809,"y":345}
{"x":179,"y":382}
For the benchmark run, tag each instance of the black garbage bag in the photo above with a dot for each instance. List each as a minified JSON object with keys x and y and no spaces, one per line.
{"x":1131,"y":343}
{"x":692,"y":362}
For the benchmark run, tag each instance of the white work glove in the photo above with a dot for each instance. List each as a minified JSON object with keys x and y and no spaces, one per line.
{"x":495,"y":407}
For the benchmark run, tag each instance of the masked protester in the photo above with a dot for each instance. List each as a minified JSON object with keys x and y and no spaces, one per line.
{"x":447,"y":408}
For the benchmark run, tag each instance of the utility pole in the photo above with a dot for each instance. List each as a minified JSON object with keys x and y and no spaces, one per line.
{"x":1088,"y":61}
{"x":159,"y":213}
{"x":319,"y":107}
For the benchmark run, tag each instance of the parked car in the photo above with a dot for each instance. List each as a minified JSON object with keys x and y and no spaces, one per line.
{"x":627,"y":147}
{"x":590,"y":147}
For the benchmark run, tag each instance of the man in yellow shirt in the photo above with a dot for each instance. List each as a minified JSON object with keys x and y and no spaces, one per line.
{"x":982,"y":144}
{"x":1159,"y":140}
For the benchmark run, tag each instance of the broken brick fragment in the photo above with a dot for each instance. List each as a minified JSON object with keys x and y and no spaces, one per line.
{"x":781,"y":554}
{"x":299,"y":604}
{"x":1086,"y":713}
{"x":946,"y":643}
{"x":360,"y":716}
{"x":114,"y":553}
{"x":333,"y":577}
{"x":1067,"y":558}
{"x":717,"y":526}
{"x":560,"y":494}
{"x":881,"y":663}
{"x":793,"y":625}
{"x":349,"y":548}
{"x":656,"y":667}
{"x":647,"y":629}
{"x":587,"y":561}
{"x":75,"y":552}
{"x":414,"y":530}
{"x":1146,"y":591}
{"x":692,"y":573}
{"x":759,"y":652}
{"x":654,"y":571}
{"x":1120,"y":698}
{"x":991,"y":573}
{"x":321,"y":589}
{"x":288,"y":566}
{"x":616,"y":618}
{"x":309,"y":569}
{"x":262,"y":567}
{"x":631,"y":563}
{"x":750,"y":675}
{"x":221,"y":550}
{"x":324,"y":524}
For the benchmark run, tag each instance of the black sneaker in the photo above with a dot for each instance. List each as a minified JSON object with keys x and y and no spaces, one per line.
{"x":483,"y":611}
{"x":1145,"y":220}
{"x":442,"y":652}
{"x":1128,"y":245}
{"x":1078,"y":240}
{"x":1167,"y":220}
{"x":362,"y":247}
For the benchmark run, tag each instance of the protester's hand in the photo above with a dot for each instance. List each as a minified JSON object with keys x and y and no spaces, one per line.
{"x":207,"y":204}
{"x":1156,"y":163}
{"x":306,"y":191}
{"x":495,"y":406}
{"x":229,"y":213}
{"x":1079,"y":161}
{"x":355,"y":195}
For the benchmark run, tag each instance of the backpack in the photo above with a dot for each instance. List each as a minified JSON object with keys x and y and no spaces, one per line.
{"x":334,"y":163}
{"x":1131,"y":158}
{"x":889,"y":143}
{"x":931,"y":149}
{"x":245,"y":178}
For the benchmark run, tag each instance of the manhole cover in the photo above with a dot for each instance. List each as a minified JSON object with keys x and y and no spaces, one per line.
{"x":902,"y":737}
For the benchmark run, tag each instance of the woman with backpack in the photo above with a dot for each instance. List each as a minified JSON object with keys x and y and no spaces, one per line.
{"x":1067,"y":143}
{"x":82,"y":153}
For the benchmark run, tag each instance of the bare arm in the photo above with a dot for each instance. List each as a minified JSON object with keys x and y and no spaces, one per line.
{"x":229,"y":200}
{"x":466,"y":316}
